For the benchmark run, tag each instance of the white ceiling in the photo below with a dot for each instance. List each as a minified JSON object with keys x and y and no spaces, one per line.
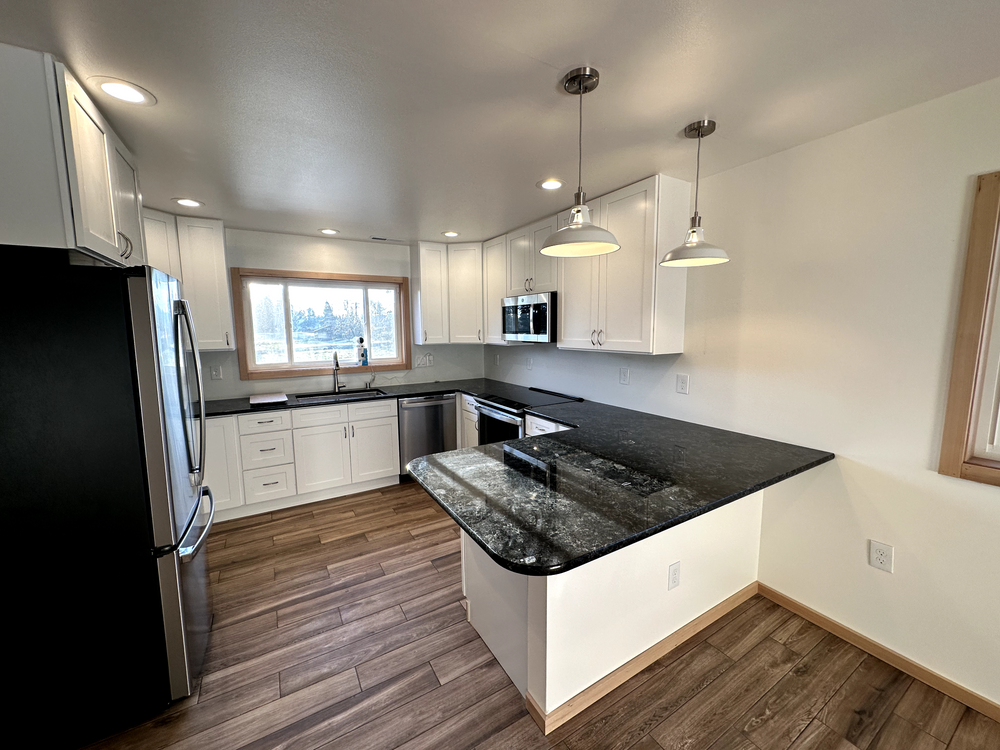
{"x":404,"y":118}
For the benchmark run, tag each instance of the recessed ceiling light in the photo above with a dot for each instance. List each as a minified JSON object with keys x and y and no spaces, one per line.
{"x":329,"y":231}
{"x":124,"y":90}
{"x":450,"y":234}
{"x":189,"y":202}
{"x":550,"y":184}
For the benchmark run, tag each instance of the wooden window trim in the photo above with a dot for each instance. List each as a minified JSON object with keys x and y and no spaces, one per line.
{"x":238,"y":274}
{"x":957,"y":441}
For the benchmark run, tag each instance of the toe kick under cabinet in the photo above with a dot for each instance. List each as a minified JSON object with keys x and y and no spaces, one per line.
{"x":276,"y":459}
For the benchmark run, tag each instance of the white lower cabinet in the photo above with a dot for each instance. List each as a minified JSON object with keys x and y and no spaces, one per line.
{"x":301,"y":455}
{"x":322,"y":457}
{"x":222,"y":462}
{"x":374,"y":449}
{"x":537,"y":426}
{"x":470,"y":421}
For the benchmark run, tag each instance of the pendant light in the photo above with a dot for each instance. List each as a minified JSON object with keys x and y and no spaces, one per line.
{"x":695,"y":251}
{"x":580,"y":237}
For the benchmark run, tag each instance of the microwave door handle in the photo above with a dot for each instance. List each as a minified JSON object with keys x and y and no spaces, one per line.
{"x":183,"y":308}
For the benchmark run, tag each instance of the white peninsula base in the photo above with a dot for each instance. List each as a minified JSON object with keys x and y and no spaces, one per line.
{"x":566,"y":640}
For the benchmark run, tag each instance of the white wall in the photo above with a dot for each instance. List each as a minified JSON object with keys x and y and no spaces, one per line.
{"x":248,"y":249}
{"x":833,"y":328}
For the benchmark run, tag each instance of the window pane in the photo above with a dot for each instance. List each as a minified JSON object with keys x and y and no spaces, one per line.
{"x":267,"y":306}
{"x":382,"y":313}
{"x":325,"y":319}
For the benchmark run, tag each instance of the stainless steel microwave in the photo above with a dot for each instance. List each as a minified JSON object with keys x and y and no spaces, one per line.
{"x":530,"y":317}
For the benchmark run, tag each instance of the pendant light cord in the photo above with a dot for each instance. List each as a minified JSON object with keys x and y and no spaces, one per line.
{"x":579,"y":172}
{"x":697,"y":174}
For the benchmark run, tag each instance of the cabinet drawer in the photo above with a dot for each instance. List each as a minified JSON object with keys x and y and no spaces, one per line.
{"x":269,"y":449}
{"x":536,"y":426}
{"x":316,"y":416}
{"x":372,"y":409}
{"x":270,"y":421}
{"x":269,"y":484}
{"x":468,"y":404}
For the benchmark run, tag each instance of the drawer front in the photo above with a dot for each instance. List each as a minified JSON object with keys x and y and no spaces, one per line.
{"x":270,"y":421}
{"x":372,"y":409}
{"x":269,"y":484}
{"x":317,"y":416}
{"x":468,"y":404}
{"x":269,"y":449}
{"x":535,"y":426}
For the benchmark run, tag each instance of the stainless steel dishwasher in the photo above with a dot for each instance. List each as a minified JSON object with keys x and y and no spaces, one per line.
{"x":427,"y":424}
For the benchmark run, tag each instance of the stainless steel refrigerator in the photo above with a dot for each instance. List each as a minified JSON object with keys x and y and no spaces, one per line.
{"x":102,"y":449}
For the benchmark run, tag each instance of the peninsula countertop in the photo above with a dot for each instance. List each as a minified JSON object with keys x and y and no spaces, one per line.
{"x":545,"y":505}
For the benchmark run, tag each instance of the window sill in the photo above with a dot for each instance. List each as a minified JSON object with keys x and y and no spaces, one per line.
{"x":304,"y":372}
{"x":981,"y":470}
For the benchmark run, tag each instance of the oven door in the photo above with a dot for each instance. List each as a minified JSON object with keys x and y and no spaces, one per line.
{"x":496,"y":426}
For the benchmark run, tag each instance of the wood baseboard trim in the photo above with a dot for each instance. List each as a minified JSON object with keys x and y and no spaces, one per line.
{"x":587,"y":697}
{"x":900,"y":662}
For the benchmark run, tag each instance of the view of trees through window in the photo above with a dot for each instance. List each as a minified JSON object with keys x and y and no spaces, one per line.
{"x":318,"y":318}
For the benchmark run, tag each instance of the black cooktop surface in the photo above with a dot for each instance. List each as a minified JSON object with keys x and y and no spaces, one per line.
{"x":531,"y":398}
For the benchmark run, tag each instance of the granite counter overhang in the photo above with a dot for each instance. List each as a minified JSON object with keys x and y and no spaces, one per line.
{"x":545,"y":505}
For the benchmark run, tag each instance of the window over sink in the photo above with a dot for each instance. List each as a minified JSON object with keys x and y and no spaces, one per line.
{"x":290,"y":323}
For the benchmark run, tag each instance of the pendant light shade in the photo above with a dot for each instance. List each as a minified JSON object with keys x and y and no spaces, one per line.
{"x":695,"y":251}
{"x":581,"y":237}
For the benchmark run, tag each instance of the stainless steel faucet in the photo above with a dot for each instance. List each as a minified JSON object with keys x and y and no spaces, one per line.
{"x":336,"y":369}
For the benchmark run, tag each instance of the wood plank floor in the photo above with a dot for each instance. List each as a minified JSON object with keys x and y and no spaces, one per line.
{"x":340,"y":625}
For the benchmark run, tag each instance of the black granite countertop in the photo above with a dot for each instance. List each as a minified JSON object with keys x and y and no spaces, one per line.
{"x":545,"y":505}
{"x":473,"y":387}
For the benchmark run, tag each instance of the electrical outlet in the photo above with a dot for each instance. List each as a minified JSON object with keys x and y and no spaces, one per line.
{"x":623,"y":376}
{"x":683,"y":382}
{"x":430,"y":360}
{"x":216,"y":372}
{"x":496,"y":360}
{"x":880,"y":555}
{"x":674,"y":576}
{"x":529,"y":362}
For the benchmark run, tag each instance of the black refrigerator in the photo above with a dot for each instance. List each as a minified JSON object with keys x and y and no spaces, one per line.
{"x":102,"y":447}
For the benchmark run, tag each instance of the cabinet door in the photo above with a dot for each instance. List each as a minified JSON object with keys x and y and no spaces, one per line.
{"x":431,"y":320}
{"x":322,"y":457}
{"x":222,"y":462}
{"x":628,"y":275}
{"x":470,"y":429}
{"x":160,"y":241}
{"x":518,"y":262}
{"x":465,"y":293}
{"x":88,"y":158}
{"x":578,"y":297}
{"x":374,"y":449}
{"x":543,"y":269}
{"x":202,"y":248}
{"x":128,"y":207}
{"x":494,"y":288}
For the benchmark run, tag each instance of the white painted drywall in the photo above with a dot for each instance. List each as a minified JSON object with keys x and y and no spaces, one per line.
{"x":833,"y":328}
{"x":604,"y":613}
{"x":247,"y":249}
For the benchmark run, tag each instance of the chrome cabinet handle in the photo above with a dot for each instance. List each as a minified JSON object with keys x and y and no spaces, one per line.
{"x":124,"y":249}
{"x":531,"y":284}
{"x":600,"y":337}
{"x":227,"y":338}
{"x":352,"y":430}
{"x":265,"y":421}
{"x":525,"y":285}
{"x":265,"y":450}
{"x":345,"y":431}
{"x":592,"y":335}
{"x":479,"y":335}
{"x":131,"y":247}
{"x":425,"y":335}
{"x":268,"y":484}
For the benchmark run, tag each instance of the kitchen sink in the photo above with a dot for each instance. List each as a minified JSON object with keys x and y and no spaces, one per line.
{"x":354,"y":394}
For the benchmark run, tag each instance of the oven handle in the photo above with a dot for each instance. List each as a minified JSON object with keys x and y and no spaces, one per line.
{"x":499,"y":415}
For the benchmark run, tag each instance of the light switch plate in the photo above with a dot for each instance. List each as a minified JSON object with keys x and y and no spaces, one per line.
{"x":216,"y":372}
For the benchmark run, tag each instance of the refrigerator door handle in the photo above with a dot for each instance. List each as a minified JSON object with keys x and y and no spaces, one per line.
{"x":187,"y":553}
{"x":183,"y":309}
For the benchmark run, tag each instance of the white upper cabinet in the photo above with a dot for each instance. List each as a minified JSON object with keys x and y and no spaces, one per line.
{"x":465,"y":293}
{"x":528,"y":271}
{"x":68,"y":181}
{"x":429,"y":290}
{"x":160,"y":237}
{"x":494,"y":288}
{"x":625,"y":301}
{"x":202,"y":247}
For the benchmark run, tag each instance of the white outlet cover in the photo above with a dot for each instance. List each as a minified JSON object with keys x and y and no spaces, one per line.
{"x":623,"y":376}
{"x":674,"y":576}
{"x":496,"y":360}
{"x":529,"y":362}
{"x":880,"y":555}
{"x":683,"y":384}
